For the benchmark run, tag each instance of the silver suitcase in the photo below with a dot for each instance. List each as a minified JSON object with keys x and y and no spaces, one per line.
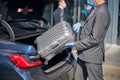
{"x":53,"y":40}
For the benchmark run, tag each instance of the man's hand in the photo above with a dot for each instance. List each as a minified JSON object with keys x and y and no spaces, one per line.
{"x":70,"y":44}
{"x":90,"y":2}
{"x":76,"y":27}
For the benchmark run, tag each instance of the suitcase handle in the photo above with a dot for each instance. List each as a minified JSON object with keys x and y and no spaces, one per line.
{"x":54,"y":46}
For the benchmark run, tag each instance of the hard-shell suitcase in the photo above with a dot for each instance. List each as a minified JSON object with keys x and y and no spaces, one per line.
{"x":53,"y":40}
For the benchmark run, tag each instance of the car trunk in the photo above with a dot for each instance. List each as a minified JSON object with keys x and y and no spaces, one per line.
{"x":25,"y":11}
{"x":23,"y":16}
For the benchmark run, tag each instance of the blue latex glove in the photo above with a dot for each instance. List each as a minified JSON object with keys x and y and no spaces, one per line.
{"x":76,"y":27}
{"x":70,"y":44}
{"x":83,"y":11}
{"x":90,"y":2}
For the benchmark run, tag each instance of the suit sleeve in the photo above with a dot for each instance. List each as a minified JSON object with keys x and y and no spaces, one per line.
{"x":98,"y":33}
{"x":57,"y":15}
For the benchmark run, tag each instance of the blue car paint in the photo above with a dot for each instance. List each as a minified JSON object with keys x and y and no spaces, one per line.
{"x":25,"y":74}
{"x":8,"y":47}
{"x":12,"y":47}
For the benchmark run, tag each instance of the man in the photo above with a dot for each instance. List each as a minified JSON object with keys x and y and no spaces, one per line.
{"x":91,"y":44}
{"x":59,"y":12}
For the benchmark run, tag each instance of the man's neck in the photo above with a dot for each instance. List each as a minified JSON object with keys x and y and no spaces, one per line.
{"x":101,"y":2}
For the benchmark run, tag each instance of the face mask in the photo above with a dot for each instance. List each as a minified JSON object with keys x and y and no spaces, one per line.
{"x":64,"y":5}
{"x":90,"y":2}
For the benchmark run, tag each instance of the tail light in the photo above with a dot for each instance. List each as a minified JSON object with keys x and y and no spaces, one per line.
{"x":21,"y":62}
{"x":20,"y":10}
{"x":30,"y":10}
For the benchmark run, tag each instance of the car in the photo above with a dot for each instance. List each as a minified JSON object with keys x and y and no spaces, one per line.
{"x":19,"y":27}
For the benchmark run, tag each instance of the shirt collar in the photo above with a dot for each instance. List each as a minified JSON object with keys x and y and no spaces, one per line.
{"x":61,"y":7}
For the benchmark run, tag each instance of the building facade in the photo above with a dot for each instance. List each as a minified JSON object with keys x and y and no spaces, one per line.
{"x":113,"y":35}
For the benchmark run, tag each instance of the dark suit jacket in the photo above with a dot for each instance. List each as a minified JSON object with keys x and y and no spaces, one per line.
{"x":91,"y":44}
{"x":58,"y":15}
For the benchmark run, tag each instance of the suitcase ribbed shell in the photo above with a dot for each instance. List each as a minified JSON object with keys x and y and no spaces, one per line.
{"x":52,"y":41}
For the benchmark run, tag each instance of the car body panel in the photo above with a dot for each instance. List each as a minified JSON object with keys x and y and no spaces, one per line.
{"x":12,"y":47}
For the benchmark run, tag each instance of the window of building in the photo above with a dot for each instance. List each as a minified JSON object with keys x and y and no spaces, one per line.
{"x":118,"y":34}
